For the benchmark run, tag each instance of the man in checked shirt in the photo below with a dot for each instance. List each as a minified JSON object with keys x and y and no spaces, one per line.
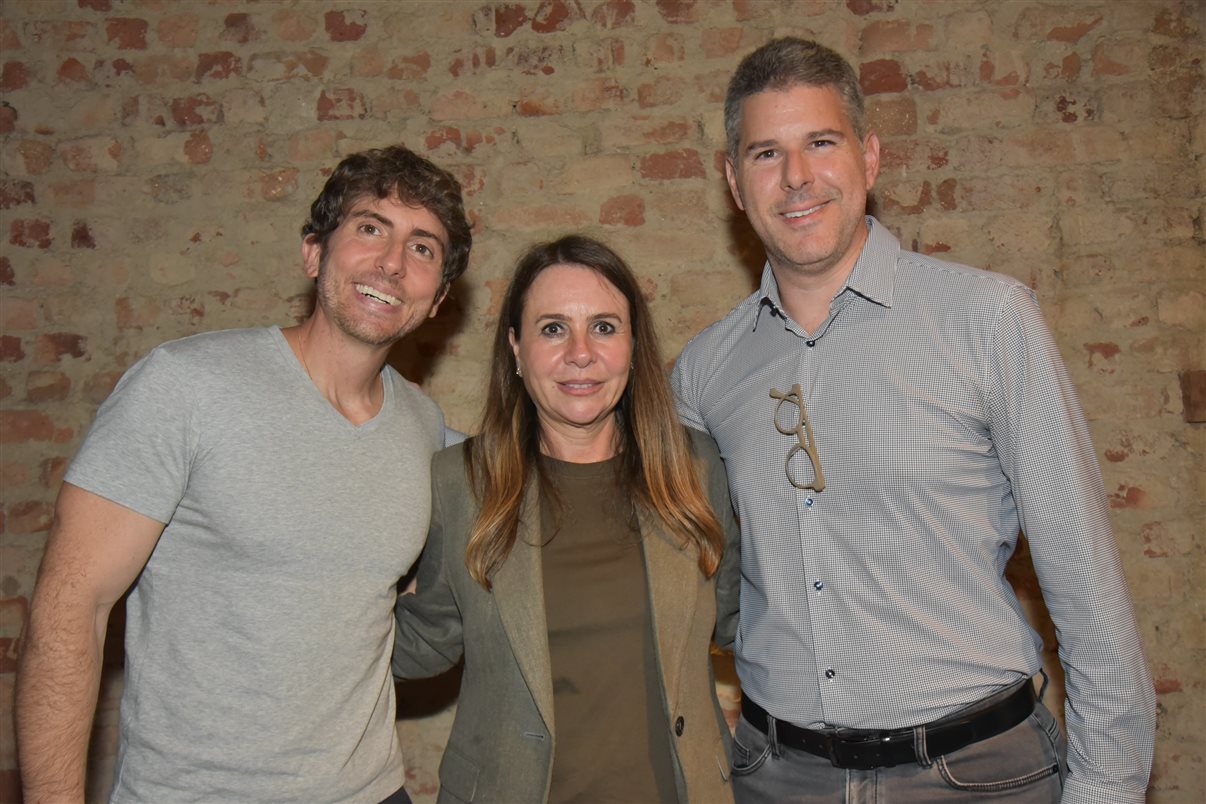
{"x":889,"y":423}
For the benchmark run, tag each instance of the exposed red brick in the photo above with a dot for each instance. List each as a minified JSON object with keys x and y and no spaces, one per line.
{"x":279,"y":66}
{"x":14,"y":192}
{"x":678,"y":11}
{"x":218,"y":65}
{"x":1193,"y":394}
{"x":135,"y":313}
{"x":882,"y":75}
{"x":8,"y":118}
{"x":198,"y":149}
{"x":612,"y":14}
{"x":664,"y":91}
{"x":239,"y":28}
{"x":440,"y":136}
{"x":896,"y":36}
{"x":939,"y":76}
{"x":475,"y":61}
{"x":409,"y":68}
{"x":9,"y":41}
{"x":31,"y":516}
{"x":598,"y":94}
{"x":95,"y":5}
{"x":503,"y":19}
{"x":53,"y":346}
{"x":530,"y":106}
{"x":278,"y":184}
{"x":341,"y":104}
{"x":196,"y":110}
{"x":14,"y":75}
{"x":11,"y":350}
{"x":556,"y":15}
{"x":665,"y":49}
{"x":81,"y":235}
{"x":946,"y":194}
{"x":178,"y":30}
{"x":680,"y":164}
{"x":716,"y":42}
{"x":89,"y":156}
{"x":1166,"y":685}
{"x":912,"y":206}
{"x":294,"y":25}
{"x":1128,"y":497}
{"x":1104,"y":64}
{"x":539,"y":60}
{"x":74,"y":71}
{"x":127,"y":33}
{"x":601,"y":56}
{"x":1067,"y":108}
{"x":862,"y":8}
{"x":29,"y":233}
{"x":7,"y":275}
{"x":1105,"y":351}
{"x":1072,"y":33}
{"x":21,"y":426}
{"x":345,"y":26}
{"x":46,"y":386}
{"x":623,"y":210}
{"x":1171,"y":23}
{"x":311,"y":145}
{"x":97,"y":389}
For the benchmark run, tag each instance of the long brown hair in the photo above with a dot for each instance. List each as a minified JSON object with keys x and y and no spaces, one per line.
{"x":657,"y":468}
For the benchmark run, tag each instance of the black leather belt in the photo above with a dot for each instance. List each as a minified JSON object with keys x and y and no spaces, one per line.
{"x":867,"y":750}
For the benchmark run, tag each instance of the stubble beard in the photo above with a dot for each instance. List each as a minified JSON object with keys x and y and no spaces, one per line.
{"x":353,"y":326}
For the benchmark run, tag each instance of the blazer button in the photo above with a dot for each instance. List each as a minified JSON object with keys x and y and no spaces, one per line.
{"x":678,"y":727}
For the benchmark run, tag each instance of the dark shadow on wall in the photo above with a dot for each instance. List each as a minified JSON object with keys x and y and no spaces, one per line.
{"x":417,"y":356}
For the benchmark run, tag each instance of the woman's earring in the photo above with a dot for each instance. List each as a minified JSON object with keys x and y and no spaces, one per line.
{"x":518,"y":371}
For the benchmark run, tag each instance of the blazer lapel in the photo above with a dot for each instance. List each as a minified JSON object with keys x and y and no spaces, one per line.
{"x":519,"y":594}
{"x":672,"y":575}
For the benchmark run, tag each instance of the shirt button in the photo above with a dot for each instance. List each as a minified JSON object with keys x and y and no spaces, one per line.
{"x":678,"y":727}
{"x":830,"y":674}
{"x":808,"y":502}
{"x":811,"y":344}
{"x":818,"y":585}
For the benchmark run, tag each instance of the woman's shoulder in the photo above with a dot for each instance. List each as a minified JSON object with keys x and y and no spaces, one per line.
{"x":448,"y":464}
{"x":703,"y":444}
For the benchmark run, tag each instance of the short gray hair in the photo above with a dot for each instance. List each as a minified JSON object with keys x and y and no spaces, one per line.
{"x":783,"y":63}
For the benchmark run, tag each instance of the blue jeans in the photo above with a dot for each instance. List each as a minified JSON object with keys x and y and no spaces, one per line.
{"x":1025,"y":765}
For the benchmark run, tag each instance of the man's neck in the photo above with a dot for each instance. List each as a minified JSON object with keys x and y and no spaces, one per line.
{"x":347,"y":372}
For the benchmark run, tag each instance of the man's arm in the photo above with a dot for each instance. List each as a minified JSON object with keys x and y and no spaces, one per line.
{"x":1043,"y":442}
{"x":95,"y":550}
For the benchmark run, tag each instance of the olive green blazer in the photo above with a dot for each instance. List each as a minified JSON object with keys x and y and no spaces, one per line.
{"x":502,"y":742}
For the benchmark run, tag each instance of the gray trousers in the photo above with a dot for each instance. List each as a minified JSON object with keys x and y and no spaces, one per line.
{"x":1025,"y":765}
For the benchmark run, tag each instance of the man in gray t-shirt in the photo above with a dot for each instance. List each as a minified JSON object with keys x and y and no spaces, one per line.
{"x":259,"y":492}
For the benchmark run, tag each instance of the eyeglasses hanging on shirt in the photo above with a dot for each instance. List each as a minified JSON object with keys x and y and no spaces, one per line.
{"x":802,"y":430}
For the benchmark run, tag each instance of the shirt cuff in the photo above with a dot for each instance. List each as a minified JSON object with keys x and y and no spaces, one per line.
{"x":1078,"y":790}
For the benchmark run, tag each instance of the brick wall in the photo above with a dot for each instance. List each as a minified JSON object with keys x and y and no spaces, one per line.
{"x":157,"y":158}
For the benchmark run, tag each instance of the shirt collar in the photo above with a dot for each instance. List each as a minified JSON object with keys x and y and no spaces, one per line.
{"x":873,"y":276}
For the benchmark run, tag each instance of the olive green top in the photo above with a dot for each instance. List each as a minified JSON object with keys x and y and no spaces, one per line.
{"x":612,"y":740}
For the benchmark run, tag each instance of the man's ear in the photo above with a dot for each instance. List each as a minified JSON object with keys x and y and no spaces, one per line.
{"x":439,"y":299}
{"x":730,"y":174}
{"x":871,"y":158}
{"x":311,"y":251}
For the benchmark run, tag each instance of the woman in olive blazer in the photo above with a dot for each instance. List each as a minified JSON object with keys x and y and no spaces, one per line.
{"x":503,"y":743}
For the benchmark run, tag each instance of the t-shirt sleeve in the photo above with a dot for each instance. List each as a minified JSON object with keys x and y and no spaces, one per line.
{"x":139,"y":450}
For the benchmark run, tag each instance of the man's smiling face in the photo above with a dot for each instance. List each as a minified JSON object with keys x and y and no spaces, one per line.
{"x":380,"y":274}
{"x":802,"y":177}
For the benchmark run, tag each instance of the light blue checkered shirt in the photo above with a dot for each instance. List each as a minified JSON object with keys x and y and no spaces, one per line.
{"x":945,"y":421}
